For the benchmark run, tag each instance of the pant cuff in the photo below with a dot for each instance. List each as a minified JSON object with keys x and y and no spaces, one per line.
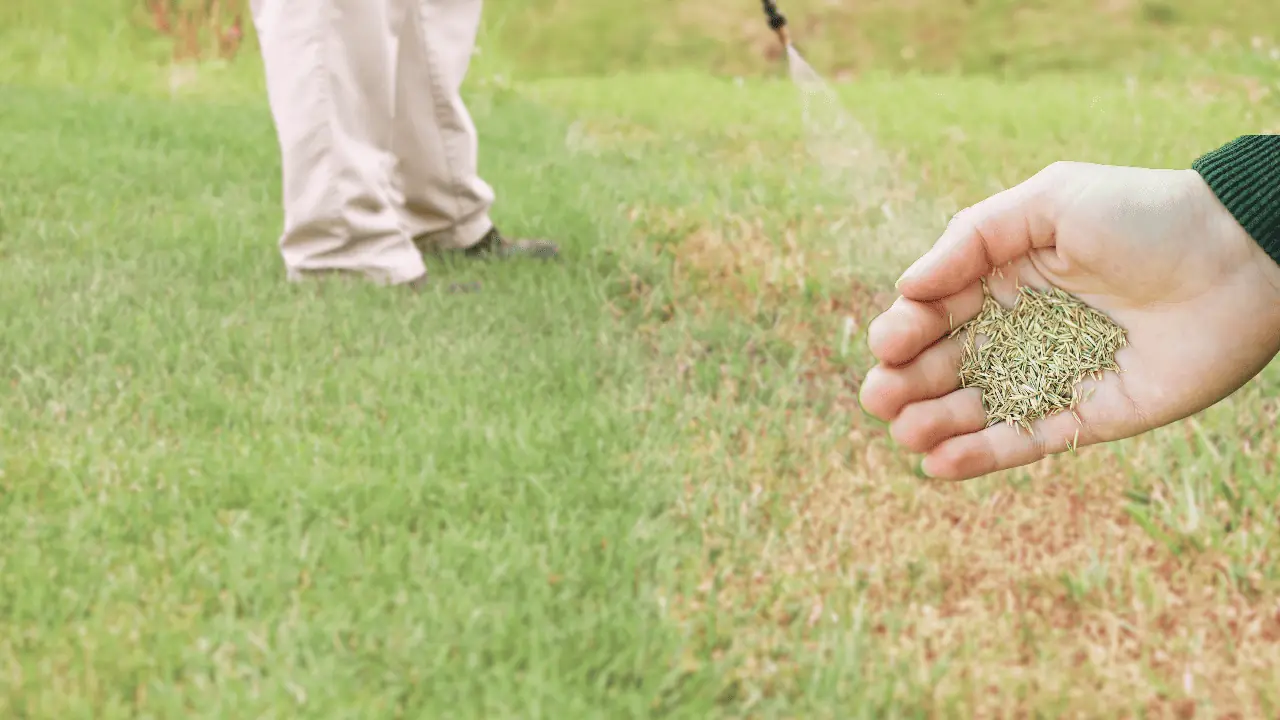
{"x":458,"y":237}
{"x":408,"y":270}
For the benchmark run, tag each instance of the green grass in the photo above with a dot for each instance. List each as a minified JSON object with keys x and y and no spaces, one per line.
{"x":632,"y":484}
{"x":224,"y":492}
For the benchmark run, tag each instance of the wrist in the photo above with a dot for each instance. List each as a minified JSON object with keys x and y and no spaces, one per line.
{"x":1234,"y":244}
{"x":1253,"y":317}
{"x":1244,"y":175}
{"x":1250,"y":268}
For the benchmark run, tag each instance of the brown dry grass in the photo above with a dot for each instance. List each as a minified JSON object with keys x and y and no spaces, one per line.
{"x":1128,"y":581}
{"x":199,"y":29}
{"x":1038,"y":593}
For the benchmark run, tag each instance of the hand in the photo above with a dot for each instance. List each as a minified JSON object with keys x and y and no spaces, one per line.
{"x":1153,"y":249}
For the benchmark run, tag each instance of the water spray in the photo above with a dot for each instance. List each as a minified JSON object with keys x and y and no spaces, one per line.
{"x":857,"y":176}
{"x":777,"y":22}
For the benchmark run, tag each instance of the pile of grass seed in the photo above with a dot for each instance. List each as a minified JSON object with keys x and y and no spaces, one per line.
{"x":1032,"y":357}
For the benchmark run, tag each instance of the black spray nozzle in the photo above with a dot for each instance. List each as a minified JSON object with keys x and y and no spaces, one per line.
{"x":777,"y":21}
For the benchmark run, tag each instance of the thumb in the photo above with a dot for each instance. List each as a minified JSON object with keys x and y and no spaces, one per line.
{"x":980,"y":238}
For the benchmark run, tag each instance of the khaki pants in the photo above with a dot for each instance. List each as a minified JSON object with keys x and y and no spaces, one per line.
{"x":376,"y":146}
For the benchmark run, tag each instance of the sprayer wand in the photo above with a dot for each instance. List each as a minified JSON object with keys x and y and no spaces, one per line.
{"x":777,"y":22}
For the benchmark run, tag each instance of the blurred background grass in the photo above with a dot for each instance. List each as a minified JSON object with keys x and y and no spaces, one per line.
{"x":104,"y":42}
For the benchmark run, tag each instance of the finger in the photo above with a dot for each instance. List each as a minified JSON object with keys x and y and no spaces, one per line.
{"x":908,"y":327}
{"x":922,"y":426}
{"x":992,"y":233}
{"x":934,"y":373}
{"x":1002,"y":447}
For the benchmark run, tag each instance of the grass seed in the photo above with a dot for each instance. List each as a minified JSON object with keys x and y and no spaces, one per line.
{"x":1034,"y":355}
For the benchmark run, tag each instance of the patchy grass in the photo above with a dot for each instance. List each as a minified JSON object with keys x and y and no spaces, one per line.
{"x":633,"y":484}
{"x":1135,"y":579}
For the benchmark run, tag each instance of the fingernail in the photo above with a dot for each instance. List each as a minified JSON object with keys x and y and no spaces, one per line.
{"x":921,"y":472}
{"x":911,"y":271}
{"x":898,"y":283}
{"x":869,"y":416}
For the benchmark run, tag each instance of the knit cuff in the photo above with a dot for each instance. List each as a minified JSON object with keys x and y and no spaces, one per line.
{"x":1245,"y":175}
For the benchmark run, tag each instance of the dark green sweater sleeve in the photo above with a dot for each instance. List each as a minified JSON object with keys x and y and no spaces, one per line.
{"x":1245,"y":175}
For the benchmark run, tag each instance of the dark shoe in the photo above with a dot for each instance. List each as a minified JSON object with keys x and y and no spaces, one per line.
{"x":493,"y":245}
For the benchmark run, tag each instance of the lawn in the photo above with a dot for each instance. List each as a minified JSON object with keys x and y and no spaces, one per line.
{"x":635,"y":483}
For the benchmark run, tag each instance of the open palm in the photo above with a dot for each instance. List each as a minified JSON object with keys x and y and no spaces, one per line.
{"x":1153,"y":249}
